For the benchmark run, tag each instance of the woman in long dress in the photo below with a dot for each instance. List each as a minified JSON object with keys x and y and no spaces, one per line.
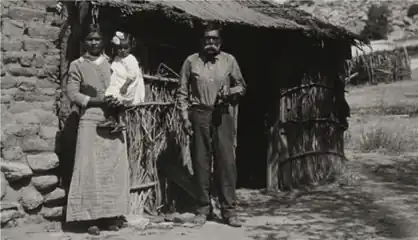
{"x":99,"y":190}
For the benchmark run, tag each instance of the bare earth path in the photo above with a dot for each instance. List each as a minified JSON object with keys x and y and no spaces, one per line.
{"x":377,"y":200}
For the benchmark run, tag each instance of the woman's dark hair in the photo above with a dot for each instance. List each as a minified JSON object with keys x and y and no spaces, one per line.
{"x":92,"y":28}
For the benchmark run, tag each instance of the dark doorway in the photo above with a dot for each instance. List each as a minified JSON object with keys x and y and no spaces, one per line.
{"x":252,"y":138}
{"x":251,"y":149}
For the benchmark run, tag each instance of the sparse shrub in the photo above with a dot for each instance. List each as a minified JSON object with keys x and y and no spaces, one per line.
{"x":377,"y":25}
{"x":412,"y":10}
{"x":382,"y":139}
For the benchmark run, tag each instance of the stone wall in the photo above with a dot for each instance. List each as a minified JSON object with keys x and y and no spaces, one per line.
{"x":29,"y":82}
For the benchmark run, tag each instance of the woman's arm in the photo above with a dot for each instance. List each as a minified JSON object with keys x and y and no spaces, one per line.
{"x":133,"y":73}
{"x":73,"y":89}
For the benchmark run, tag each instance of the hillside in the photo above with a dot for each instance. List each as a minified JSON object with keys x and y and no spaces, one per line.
{"x":353,"y":14}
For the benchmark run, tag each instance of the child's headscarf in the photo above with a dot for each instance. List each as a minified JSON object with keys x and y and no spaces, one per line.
{"x":118,"y":37}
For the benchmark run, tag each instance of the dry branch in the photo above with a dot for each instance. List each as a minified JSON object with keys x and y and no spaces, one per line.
{"x":309,"y":133}
{"x":154,"y":134}
{"x":158,"y":78}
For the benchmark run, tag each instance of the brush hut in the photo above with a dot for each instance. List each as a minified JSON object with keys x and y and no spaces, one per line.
{"x":294,"y":69}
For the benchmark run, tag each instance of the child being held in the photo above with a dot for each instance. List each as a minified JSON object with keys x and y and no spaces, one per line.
{"x":126,"y":82}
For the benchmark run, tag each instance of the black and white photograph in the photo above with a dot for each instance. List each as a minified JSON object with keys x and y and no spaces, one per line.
{"x":209,"y":119}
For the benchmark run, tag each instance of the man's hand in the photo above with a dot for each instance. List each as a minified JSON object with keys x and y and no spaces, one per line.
{"x":224,"y":91}
{"x":235,"y":94}
{"x":187,"y":126}
{"x":222,"y":96}
{"x":236,"y":90}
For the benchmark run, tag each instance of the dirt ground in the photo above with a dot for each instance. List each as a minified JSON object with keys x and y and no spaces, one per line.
{"x":377,"y":198}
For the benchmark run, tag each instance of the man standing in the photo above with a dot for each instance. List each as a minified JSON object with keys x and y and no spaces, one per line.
{"x":210,"y":84}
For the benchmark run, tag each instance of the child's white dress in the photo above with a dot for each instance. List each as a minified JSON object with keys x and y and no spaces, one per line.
{"x":122,"y":69}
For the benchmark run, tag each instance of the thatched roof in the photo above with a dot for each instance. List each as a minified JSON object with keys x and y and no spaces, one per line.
{"x":256,"y":13}
{"x":227,"y":11}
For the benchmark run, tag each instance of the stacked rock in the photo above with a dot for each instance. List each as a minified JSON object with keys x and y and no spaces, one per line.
{"x":29,"y":82}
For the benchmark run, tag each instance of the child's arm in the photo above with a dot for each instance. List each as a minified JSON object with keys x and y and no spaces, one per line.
{"x":133,"y":71}
{"x":132,"y":68}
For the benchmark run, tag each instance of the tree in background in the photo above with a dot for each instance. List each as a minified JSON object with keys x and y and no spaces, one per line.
{"x":412,"y":10}
{"x":377,"y":25}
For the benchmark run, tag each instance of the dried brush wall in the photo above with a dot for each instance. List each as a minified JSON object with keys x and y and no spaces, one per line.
{"x":154,"y":134}
{"x":380,"y":67}
{"x":306,"y":140}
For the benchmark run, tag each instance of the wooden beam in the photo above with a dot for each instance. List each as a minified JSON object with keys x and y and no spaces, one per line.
{"x":272,"y":161}
{"x":143,"y":186}
{"x":83,"y":11}
{"x":159,"y":78}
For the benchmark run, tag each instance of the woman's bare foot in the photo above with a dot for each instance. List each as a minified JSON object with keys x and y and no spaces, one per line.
{"x":113,"y":224}
{"x":93,"y":230}
{"x":109,"y":123}
{"x":118,"y":128}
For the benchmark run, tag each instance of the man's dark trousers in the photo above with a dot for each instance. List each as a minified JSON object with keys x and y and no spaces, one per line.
{"x":213,"y":130}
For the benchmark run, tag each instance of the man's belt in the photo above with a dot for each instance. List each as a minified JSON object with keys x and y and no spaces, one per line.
{"x":202,"y":107}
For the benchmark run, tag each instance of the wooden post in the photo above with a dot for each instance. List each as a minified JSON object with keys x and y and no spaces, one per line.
{"x":65,"y":33}
{"x":276,"y":113}
{"x":272,"y":170}
{"x":83,"y":8}
{"x":235,"y":116}
{"x":309,"y":133}
{"x":67,"y":124}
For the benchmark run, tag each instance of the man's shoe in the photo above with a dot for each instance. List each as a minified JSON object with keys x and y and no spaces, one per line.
{"x":199,"y":219}
{"x":233,"y":222}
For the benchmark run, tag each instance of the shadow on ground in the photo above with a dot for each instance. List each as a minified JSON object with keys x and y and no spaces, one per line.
{"x":337,"y":213}
{"x":401,"y":176}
